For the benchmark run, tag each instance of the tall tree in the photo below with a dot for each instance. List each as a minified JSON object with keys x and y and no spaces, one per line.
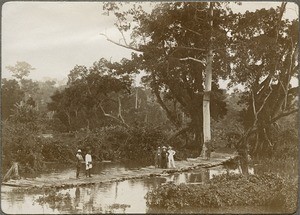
{"x":256,"y":49}
{"x":20,"y":70}
{"x":264,"y":61}
{"x":207,"y":89}
{"x":91,"y":94}
{"x":173,"y":43}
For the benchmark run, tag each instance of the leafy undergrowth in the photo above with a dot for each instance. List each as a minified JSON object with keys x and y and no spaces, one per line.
{"x":228,"y":190}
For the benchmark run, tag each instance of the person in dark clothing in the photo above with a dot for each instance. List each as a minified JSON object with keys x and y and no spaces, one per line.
{"x":79,"y":161}
{"x":164,"y":155}
{"x":158,"y":158}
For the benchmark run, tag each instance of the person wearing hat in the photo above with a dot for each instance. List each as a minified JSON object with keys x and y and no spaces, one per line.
{"x":79,"y":161}
{"x":164,"y":155}
{"x":158,"y":158}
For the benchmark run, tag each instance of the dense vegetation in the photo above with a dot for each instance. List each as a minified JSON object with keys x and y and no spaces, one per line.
{"x":100,"y":107}
{"x":274,"y":184}
{"x":228,"y":190}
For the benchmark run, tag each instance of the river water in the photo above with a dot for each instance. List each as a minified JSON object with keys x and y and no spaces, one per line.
{"x":115,"y":197}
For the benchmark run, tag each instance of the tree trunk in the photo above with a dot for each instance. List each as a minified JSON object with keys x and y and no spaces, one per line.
{"x":197,"y":128}
{"x":136,"y":98}
{"x":69,"y":119}
{"x":207,"y":91}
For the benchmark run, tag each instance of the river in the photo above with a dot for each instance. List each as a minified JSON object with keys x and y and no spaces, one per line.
{"x":115,"y":197}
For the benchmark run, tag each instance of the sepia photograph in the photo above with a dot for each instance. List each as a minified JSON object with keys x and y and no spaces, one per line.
{"x":170,"y":107}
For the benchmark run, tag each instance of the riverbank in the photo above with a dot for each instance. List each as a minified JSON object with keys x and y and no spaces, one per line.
{"x":227,"y":190}
{"x":109,"y":176}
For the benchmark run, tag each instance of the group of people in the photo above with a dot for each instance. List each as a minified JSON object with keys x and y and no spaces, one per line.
{"x":87,"y":161}
{"x":164,"y":158}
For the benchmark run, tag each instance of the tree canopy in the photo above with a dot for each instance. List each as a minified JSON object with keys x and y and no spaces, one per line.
{"x":256,"y":49}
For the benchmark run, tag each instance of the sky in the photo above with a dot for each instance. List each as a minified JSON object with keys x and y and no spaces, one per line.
{"x":53,"y":37}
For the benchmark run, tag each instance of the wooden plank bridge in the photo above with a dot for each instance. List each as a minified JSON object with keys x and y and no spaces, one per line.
{"x":106,"y":177}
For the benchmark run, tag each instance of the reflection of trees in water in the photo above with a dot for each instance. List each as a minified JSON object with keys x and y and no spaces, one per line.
{"x":56,"y":200}
{"x":189,"y":177}
{"x":15,"y":196}
{"x":205,"y":175}
{"x":86,"y":201}
{"x":149,"y":183}
{"x":82,"y":201}
{"x":114,"y":207}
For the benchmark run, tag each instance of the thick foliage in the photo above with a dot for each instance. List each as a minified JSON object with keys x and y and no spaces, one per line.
{"x":20,"y":144}
{"x":119,"y":143}
{"x":11,"y":94}
{"x":142,"y":143}
{"x":108,"y":143}
{"x":173,"y":40}
{"x":227,"y":190}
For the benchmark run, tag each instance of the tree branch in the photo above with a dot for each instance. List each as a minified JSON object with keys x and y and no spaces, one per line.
{"x":193,"y":31}
{"x":163,"y":105}
{"x":191,"y":48}
{"x":264,"y":102}
{"x":253,"y":105}
{"x":113,"y":117}
{"x":177,"y":133}
{"x":194,"y":59}
{"x":120,"y":110}
{"x":119,"y":44}
{"x":267,"y":138}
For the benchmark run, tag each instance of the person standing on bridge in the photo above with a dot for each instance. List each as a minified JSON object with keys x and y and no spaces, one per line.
{"x":79,"y":161}
{"x":164,"y":154}
{"x":158,"y":158}
{"x":171,"y":153}
{"x":88,"y":163}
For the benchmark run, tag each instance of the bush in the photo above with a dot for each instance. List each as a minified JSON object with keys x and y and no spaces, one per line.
{"x":227,"y":190}
{"x":286,"y":144}
{"x":141,"y":144}
{"x":20,"y":144}
{"x":57,"y":151}
{"x":119,"y":143}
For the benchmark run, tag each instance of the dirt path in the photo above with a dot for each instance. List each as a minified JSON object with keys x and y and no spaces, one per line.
{"x":114,"y":176}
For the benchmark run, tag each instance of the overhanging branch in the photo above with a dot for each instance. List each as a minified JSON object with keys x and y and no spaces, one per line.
{"x":113,"y":117}
{"x":119,"y":44}
{"x":194,"y":59}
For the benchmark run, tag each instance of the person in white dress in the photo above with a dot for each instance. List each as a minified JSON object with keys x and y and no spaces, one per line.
{"x":171,"y":154}
{"x":88,"y":164}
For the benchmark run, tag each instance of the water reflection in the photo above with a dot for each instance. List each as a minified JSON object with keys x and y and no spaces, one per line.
{"x":66,"y":171}
{"x":187,"y":177}
{"x":117,"y":197}
{"x":201,"y":176}
{"x":120,"y":197}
